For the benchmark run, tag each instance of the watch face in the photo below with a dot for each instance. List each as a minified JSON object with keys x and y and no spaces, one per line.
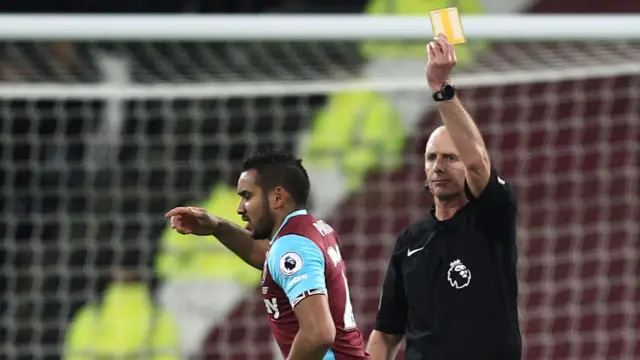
{"x":449,"y":91}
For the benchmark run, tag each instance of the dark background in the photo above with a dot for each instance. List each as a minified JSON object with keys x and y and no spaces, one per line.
{"x":48,"y":195}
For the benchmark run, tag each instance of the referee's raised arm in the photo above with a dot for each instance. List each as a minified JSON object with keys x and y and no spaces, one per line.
{"x":482,"y":184}
{"x":461,"y":128}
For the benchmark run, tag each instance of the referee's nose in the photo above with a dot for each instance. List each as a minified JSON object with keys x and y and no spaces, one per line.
{"x":439,"y":164}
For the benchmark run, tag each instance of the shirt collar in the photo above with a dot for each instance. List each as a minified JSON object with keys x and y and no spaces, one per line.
{"x":295,"y":213}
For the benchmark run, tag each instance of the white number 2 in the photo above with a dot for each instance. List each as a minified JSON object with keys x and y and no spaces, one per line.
{"x":349,"y":318}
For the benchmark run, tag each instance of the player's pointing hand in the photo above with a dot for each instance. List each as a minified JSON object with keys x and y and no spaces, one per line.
{"x":442,"y":59}
{"x":192,"y":220}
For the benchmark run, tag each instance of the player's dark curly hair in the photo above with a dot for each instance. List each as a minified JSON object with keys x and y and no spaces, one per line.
{"x":275,"y":168}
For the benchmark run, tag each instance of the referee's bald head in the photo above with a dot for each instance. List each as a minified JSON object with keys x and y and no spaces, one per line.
{"x":443,"y":168}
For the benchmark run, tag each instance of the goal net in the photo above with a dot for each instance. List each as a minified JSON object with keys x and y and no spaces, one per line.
{"x":100,"y":138}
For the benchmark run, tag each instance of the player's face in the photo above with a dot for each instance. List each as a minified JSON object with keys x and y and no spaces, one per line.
{"x":442,"y":166}
{"x":254,"y":207}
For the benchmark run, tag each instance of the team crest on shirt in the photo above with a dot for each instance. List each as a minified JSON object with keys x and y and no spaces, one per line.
{"x":459,"y":275}
{"x":290,"y":263}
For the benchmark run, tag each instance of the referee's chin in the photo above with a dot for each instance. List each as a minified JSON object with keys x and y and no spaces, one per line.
{"x":448,"y":197}
{"x":444,"y":197}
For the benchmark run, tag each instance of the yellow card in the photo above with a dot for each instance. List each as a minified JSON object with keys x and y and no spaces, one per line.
{"x":447,"y":21}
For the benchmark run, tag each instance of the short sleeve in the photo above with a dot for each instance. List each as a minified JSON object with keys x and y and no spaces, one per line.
{"x":392,"y":312}
{"x":297,"y":265}
{"x":497,"y":195}
{"x":497,"y":208}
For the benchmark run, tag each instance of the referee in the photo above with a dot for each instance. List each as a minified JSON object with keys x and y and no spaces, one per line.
{"x":451,"y":288}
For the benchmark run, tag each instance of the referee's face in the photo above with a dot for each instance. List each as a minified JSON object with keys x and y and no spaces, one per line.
{"x":442,"y":166}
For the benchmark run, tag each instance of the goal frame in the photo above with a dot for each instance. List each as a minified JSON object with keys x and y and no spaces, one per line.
{"x":520,"y":27}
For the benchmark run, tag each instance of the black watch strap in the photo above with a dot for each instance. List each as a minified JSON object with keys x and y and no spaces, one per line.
{"x":447,"y":92}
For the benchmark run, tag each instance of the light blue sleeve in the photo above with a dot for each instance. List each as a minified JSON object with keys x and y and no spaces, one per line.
{"x":297,"y":265}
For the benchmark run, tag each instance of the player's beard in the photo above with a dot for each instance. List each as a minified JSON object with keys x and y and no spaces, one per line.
{"x":263,"y":226}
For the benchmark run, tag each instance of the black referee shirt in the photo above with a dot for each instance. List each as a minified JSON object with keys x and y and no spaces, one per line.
{"x":451,"y":285}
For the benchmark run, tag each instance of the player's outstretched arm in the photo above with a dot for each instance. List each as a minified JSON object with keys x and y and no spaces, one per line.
{"x":463,"y":131}
{"x":317,"y":330}
{"x":383,"y":346}
{"x":240,"y":242}
{"x":197,"y":221}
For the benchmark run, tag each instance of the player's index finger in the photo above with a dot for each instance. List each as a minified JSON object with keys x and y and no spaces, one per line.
{"x":176,"y":211}
{"x":448,"y":23}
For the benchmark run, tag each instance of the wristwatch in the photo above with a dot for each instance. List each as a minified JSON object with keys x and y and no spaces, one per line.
{"x":446,"y":93}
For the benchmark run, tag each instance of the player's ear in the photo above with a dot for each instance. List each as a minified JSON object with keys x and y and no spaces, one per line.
{"x":279,"y":197}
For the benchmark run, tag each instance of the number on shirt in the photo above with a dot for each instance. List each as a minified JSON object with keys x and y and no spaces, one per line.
{"x":336,"y":258}
{"x":349,"y":318}
{"x":272,"y":307}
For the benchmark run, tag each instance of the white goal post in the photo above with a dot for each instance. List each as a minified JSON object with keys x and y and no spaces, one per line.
{"x":507,"y":27}
{"x":556,"y":96}
{"x":313,"y":27}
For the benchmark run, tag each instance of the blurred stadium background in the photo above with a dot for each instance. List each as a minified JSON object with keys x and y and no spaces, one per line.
{"x":87,"y":174}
